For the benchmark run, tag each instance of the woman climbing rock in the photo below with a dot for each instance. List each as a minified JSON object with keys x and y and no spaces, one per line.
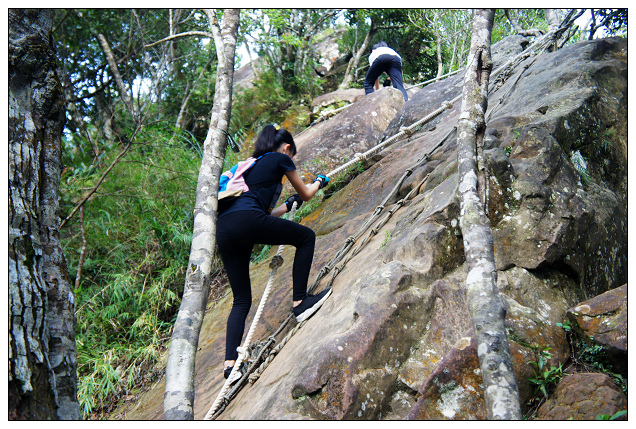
{"x":252,"y":219}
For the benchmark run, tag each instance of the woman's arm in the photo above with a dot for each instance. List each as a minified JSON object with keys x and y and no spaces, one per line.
{"x":306,"y":192}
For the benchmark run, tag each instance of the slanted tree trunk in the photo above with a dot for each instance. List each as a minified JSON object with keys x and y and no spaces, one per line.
{"x":112,"y":64}
{"x":355,"y":60}
{"x":42,"y":353}
{"x":179,"y":390}
{"x":487,"y":309}
{"x":519,"y":29}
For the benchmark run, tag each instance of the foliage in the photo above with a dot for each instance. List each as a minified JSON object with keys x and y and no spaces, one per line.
{"x":614,"y":21}
{"x":285,"y":38}
{"x":159,"y":74}
{"x":527,"y":18}
{"x":615,"y":416}
{"x":450,"y":32}
{"x":138,"y":230}
{"x":594,"y":358}
{"x":391,"y":26}
{"x":546,"y":376}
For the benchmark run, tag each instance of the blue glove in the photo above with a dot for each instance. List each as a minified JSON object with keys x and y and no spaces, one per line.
{"x":324,"y":180}
{"x":293,"y":199}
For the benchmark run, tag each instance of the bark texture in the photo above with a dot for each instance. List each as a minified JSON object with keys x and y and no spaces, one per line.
{"x":179,"y":390}
{"x":486,"y":306}
{"x":42,"y":353}
{"x":355,"y":60}
{"x":112,"y":64}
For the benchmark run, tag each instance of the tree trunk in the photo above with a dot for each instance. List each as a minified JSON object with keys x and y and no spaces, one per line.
{"x":112,"y":64}
{"x":42,"y":353}
{"x":353,"y":62}
{"x":552,"y":16}
{"x":440,"y":63}
{"x":179,"y":390}
{"x":487,"y":309}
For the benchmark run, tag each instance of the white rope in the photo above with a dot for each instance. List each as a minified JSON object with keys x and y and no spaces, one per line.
{"x":435,"y":79}
{"x":404,"y":131}
{"x":277,"y":261}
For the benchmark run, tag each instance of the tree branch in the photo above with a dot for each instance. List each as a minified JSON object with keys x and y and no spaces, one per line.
{"x":82,"y":256}
{"x":101,"y":179}
{"x":115,"y":71}
{"x":519,"y":29}
{"x":177,"y":36}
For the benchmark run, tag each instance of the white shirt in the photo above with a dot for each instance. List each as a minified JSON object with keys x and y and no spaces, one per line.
{"x":382,"y":50}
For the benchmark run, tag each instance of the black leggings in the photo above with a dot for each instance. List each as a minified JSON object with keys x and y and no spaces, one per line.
{"x":236,"y":235}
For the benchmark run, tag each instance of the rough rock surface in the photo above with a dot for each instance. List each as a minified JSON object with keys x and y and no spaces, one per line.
{"x":584,"y":396}
{"x":602,"y":320}
{"x":350,"y":95}
{"x":395,"y":341}
{"x":324,"y":146}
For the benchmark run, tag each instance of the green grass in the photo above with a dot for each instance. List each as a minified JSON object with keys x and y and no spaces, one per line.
{"x":138,"y":228}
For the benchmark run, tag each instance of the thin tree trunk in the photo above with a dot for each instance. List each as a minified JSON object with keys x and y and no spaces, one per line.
{"x":487,"y":310}
{"x":553,"y":19}
{"x":179,"y":391}
{"x":112,"y":64}
{"x":440,"y":63}
{"x":42,"y":353}
{"x":82,"y":257}
{"x":184,"y":105}
{"x":353,"y":62}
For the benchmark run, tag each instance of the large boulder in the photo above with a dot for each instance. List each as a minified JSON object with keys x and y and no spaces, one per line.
{"x":395,"y":339}
{"x":584,"y":396}
{"x":602,"y":320}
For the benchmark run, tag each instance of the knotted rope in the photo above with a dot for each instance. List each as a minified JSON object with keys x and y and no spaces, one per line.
{"x":404,"y":131}
{"x":276,"y":262}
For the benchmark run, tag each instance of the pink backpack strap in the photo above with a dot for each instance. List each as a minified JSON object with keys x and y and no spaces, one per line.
{"x":237,"y":182}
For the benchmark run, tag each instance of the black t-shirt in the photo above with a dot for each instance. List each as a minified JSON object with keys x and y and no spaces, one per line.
{"x":265,"y":182}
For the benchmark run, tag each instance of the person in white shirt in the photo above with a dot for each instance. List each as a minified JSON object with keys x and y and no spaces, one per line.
{"x":384,"y":59}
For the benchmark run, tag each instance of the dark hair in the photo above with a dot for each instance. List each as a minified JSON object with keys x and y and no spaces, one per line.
{"x":379,"y":45}
{"x":270,"y":140}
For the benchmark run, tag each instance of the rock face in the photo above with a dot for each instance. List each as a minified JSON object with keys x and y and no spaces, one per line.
{"x":584,"y":396}
{"x":395,"y":339}
{"x":603,"y":320}
{"x":324,"y":146}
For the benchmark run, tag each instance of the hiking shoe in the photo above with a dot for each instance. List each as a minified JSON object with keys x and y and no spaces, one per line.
{"x":310,"y":305}
{"x":237,"y":375}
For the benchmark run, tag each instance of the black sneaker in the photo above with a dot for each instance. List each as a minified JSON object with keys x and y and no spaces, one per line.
{"x":310,"y":305}
{"x":237,"y":375}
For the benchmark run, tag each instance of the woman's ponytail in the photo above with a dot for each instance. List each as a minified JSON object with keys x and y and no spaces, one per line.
{"x":270,"y":139}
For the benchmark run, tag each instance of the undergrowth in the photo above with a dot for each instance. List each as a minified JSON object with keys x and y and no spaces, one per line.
{"x":585,"y":356}
{"x":138,"y":229}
